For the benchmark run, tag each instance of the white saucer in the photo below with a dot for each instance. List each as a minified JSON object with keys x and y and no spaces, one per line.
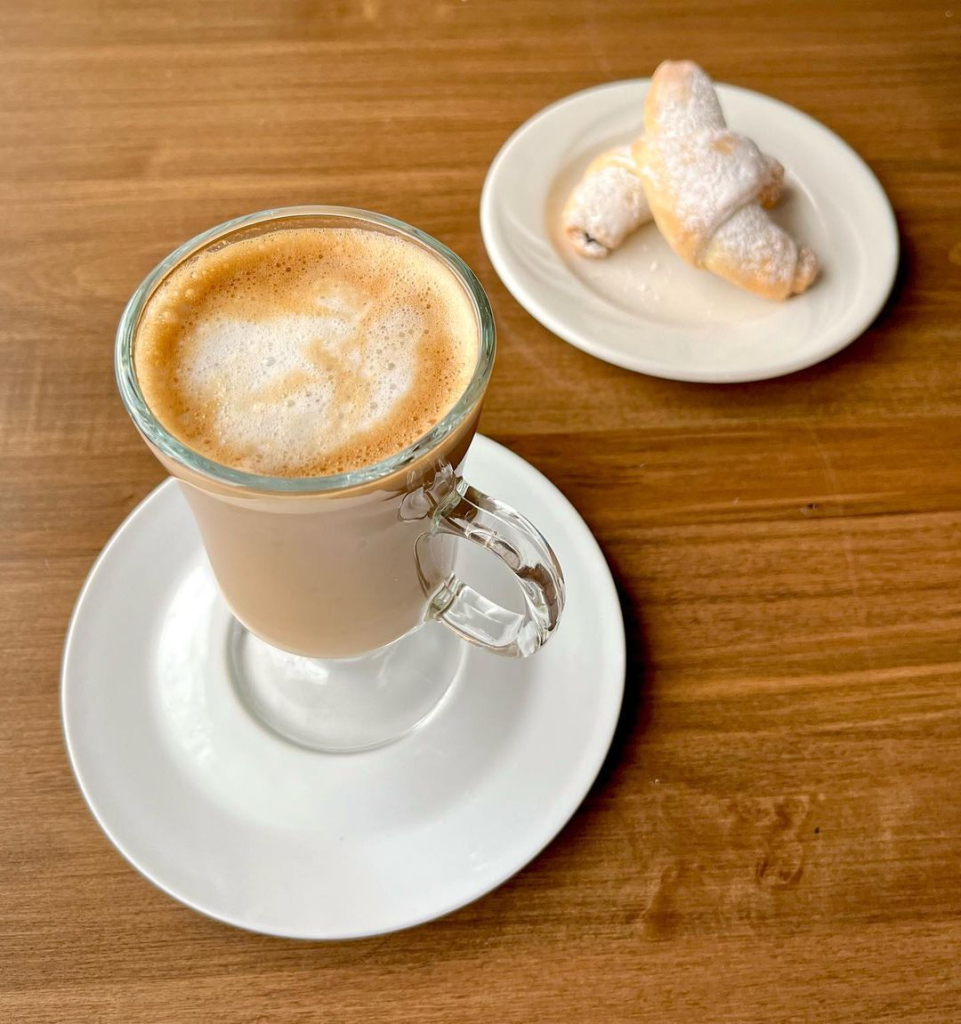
{"x":643,"y":308}
{"x":238,"y":824}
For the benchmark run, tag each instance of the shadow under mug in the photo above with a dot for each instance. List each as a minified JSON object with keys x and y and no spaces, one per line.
{"x":341,"y":585}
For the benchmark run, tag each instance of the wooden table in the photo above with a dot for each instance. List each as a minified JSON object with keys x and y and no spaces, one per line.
{"x":777,"y":833}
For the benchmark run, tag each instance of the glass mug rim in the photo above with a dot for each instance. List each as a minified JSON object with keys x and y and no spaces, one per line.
{"x":167,"y":444}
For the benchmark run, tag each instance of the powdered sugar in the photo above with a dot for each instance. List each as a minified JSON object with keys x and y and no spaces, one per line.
{"x":687,"y":101}
{"x":607,"y":205}
{"x":709,"y":174}
{"x":705,"y":184}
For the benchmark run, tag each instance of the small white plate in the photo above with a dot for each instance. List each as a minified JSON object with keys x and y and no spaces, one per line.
{"x":238,"y":824}
{"x":643,"y":308}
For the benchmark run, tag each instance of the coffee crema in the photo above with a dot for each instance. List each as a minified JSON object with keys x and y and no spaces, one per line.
{"x":306,"y":351}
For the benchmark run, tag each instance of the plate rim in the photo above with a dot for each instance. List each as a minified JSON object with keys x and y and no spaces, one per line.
{"x":495,"y":246}
{"x":608,"y":719}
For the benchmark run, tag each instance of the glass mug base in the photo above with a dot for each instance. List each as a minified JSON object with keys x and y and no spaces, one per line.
{"x":346,"y":705}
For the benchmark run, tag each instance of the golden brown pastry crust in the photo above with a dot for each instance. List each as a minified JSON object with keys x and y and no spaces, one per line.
{"x":706,"y":187}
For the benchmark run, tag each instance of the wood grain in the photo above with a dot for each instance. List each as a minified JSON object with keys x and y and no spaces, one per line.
{"x":777,"y":833}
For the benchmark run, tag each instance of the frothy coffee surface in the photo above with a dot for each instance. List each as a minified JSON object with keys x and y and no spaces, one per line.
{"x":306,"y":351}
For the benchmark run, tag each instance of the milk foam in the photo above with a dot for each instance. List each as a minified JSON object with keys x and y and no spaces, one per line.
{"x":306,"y":351}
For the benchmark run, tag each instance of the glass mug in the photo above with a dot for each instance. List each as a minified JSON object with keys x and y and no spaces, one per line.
{"x":340,"y":585}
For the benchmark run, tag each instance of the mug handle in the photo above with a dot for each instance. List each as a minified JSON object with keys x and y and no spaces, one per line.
{"x":494,"y":525}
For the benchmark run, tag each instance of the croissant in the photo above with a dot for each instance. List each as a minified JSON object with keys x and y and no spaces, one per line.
{"x":706,"y":187}
{"x":609,"y":202}
{"x":606,"y":205}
